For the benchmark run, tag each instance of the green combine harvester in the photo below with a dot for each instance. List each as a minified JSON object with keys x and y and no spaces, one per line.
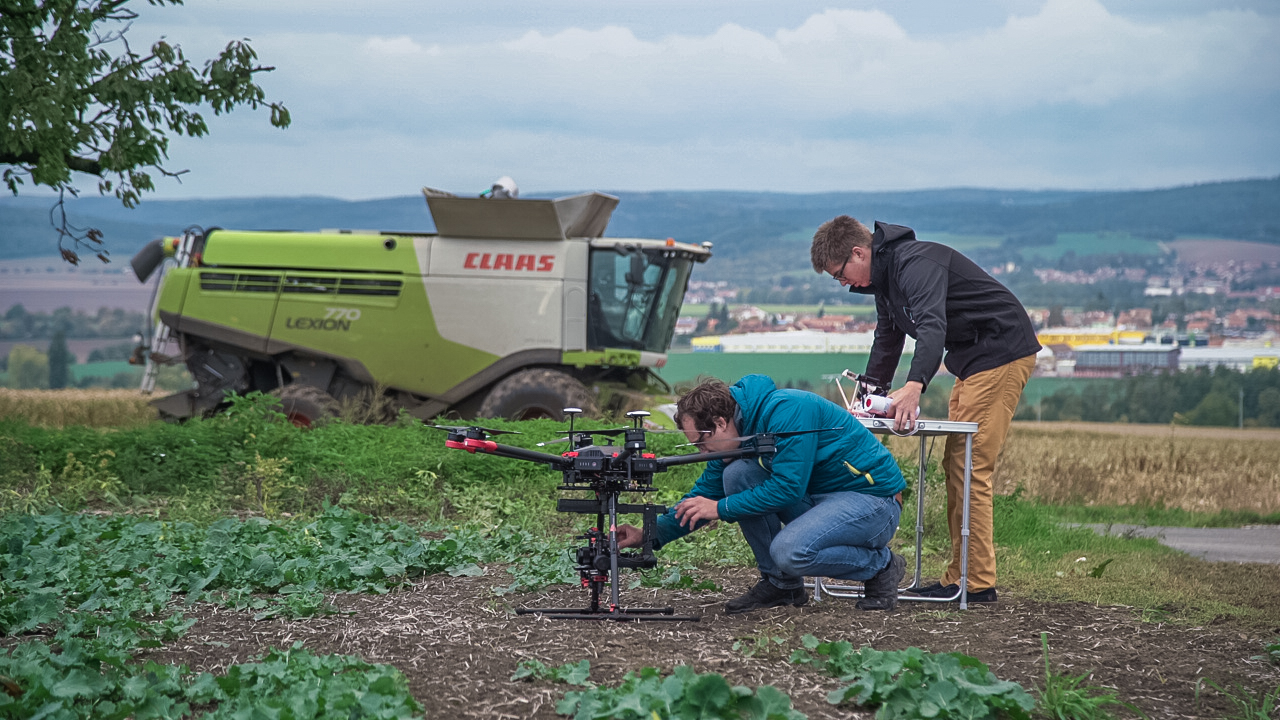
{"x":513,"y":308}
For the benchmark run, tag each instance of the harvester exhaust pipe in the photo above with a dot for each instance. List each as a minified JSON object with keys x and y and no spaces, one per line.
{"x":148,"y":259}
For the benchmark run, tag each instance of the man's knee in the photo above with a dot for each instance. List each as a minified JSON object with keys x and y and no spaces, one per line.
{"x":742,"y":475}
{"x":791,"y":559}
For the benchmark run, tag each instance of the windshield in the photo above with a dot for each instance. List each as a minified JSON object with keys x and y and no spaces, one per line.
{"x":635,"y":297}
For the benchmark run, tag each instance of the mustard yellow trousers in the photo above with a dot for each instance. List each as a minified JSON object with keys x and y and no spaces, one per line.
{"x":989,"y":399}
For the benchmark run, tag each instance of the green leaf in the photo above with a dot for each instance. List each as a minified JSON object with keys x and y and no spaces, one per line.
{"x":79,"y":683}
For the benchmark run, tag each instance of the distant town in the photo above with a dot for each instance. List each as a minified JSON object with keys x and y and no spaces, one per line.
{"x":1206,"y":314}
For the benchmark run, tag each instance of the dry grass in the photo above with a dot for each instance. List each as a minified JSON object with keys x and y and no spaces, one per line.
{"x":92,"y":407}
{"x":1177,"y":468}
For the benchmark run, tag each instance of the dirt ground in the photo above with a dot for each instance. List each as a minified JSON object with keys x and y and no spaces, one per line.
{"x":459,"y":644}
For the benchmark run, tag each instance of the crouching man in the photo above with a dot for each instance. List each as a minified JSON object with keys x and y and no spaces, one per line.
{"x":825,"y":504}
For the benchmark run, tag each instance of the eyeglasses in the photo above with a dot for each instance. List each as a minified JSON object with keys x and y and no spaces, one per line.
{"x":840,"y":275}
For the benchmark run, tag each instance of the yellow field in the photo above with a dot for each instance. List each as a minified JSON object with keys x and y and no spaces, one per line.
{"x":1195,"y":469}
{"x":93,"y":407}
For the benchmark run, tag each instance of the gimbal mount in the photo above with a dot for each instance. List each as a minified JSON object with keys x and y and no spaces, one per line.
{"x":606,"y":471}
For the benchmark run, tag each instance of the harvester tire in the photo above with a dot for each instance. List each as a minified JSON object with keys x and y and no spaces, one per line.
{"x":304,"y":405}
{"x":537,"y":393}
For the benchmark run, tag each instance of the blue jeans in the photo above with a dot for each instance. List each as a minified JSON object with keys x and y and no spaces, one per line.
{"x":841,"y":535}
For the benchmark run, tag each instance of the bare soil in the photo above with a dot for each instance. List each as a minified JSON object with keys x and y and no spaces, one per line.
{"x":459,"y":644}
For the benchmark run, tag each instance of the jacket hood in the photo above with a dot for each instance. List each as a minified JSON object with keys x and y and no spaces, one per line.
{"x":751,"y":393}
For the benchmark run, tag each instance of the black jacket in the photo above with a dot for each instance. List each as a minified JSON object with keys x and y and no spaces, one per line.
{"x":944,"y":301}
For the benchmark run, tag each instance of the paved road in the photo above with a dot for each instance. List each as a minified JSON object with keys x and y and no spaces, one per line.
{"x":1253,"y":544}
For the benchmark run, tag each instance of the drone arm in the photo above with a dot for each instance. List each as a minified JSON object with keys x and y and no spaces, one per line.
{"x":490,"y":447}
{"x":666,"y":462}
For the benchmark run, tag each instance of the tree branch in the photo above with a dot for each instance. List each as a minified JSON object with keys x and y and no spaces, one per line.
{"x":78,"y":164}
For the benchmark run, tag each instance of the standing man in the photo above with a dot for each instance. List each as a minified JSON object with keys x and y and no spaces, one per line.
{"x":946,"y":302}
{"x":825,"y":504}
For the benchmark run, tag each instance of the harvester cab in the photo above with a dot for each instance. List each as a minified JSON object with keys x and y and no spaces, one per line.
{"x":513,"y":308}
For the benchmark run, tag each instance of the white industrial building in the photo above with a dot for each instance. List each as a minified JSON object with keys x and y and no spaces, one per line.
{"x":1237,"y":357}
{"x":792,"y":341}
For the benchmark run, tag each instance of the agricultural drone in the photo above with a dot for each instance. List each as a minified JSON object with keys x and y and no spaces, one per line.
{"x":604,"y":472}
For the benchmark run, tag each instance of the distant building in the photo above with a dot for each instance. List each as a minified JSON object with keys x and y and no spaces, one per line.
{"x":1096,"y":335}
{"x":1124,"y":360}
{"x":1135,"y":319}
{"x":1236,"y":357}
{"x":791,"y":341}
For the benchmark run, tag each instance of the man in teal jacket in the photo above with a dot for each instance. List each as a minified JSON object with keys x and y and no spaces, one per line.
{"x":825,"y":504}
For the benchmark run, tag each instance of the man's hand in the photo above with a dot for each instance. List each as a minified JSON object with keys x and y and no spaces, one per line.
{"x":629,"y":536}
{"x":696,"y":509}
{"x":906,"y":405}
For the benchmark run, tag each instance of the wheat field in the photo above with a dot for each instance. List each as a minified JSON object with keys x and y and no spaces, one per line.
{"x":1195,"y":469}
{"x":92,"y":407}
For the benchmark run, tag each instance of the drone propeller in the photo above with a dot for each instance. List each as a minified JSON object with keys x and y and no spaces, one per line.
{"x":783,"y":434}
{"x":459,"y":429}
{"x":609,"y":432}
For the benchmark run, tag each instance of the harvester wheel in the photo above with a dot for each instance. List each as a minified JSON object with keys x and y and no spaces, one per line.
{"x":537,"y":393}
{"x":306,"y":404}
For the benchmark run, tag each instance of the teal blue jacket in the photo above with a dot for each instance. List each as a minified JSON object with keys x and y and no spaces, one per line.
{"x":847,"y":459}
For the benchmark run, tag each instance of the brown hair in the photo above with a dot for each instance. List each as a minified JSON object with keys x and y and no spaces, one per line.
{"x":709,"y":400}
{"x":835,"y":240}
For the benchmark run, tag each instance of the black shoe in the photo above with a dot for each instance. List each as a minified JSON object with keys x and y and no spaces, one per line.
{"x":938,"y":590}
{"x":766,"y":595}
{"x":881,"y":591}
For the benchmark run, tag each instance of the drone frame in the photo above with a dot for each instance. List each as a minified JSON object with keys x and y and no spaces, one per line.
{"x":588,"y":467}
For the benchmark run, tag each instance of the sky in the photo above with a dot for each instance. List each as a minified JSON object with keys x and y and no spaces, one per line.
{"x":643,"y":95}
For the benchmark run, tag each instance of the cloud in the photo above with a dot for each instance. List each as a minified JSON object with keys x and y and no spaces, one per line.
{"x":1062,"y":94}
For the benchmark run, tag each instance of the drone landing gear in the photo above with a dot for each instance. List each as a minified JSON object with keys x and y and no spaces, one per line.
{"x":600,"y":560}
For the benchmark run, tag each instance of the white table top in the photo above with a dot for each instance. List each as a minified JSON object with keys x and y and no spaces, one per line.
{"x":924,"y":428}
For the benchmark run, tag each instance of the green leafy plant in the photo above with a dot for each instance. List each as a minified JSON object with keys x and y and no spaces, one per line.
{"x":1249,"y":705}
{"x":1097,"y":570}
{"x":762,"y":644}
{"x":682,"y":695}
{"x":1066,"y":697}
{"x":1273,"y":653}
{"x":914,"y":683}
{"x":676,"y":577}
{"x":299,"y":684}
{"x":571,"y":673}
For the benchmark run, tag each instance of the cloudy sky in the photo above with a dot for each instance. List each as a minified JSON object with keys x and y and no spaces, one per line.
{"x":391,"y":95}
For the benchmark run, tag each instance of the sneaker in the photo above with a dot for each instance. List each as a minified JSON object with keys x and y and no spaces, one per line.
{"x":938,"y":590}
{"x":766,"y":595}
{"x":881,"y":591}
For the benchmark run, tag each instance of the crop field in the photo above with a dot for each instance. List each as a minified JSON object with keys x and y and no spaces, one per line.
{"x":1173,"y":467}
{"x":240,"y":567}
{"x":91,"y":407}
{"x":1102,"y":243}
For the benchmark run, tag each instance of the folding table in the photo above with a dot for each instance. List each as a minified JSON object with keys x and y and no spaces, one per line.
{"x":924,"y":429}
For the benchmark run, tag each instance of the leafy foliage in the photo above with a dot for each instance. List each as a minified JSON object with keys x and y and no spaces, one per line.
{"x":79,"y":564}
{"x":914,"y":683}
{"x":1273,"y":653}
{"x":1261,"y":705}
{"x":77,"y":97}
{"x":1066,"y":697}
{"x":94,"y":678}
{"x":295,"y":683}
{"x":682,"y":695}
{"x":571,"y":673}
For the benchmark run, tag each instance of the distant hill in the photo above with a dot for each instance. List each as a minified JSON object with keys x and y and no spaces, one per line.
{"x":752,"y":232}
